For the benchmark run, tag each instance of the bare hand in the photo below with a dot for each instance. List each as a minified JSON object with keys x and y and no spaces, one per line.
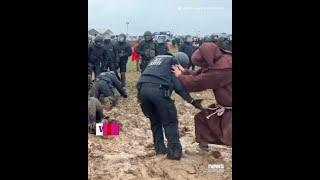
{"x":180,"y":67}
{"x":177,"y":72}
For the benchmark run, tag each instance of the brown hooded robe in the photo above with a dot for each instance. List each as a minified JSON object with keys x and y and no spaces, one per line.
{"x":211,"y":125}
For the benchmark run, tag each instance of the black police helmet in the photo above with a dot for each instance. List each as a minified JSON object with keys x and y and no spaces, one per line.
{"x":182,"y":59}
{"x":147,"y":33}
{"x":122,"y":37}
{"x":98,"y":41}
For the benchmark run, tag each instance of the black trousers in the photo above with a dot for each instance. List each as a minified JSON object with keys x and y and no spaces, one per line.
{"x":123,"y":64}
{"x":96,"y":68}
{"x":163,"y":114}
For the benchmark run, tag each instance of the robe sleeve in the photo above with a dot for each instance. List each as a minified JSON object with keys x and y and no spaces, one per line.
{"x":190,"y":72}
{"x":212,"y":79}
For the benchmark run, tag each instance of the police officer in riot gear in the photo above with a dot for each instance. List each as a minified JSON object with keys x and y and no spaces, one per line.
{"x":111,"y":59}
{"x":161,"y":46}
{"x":224,"y":44}
{"x":188,"y":48}
{"x":104,"y":85}
{"x":214,"y":38}
{"x":124,"y":51}
{"x":96,"y":55}
{"x":147,"y":50}
{"x":155,"y":87}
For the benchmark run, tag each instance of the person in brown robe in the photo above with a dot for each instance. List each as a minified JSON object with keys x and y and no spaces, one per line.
{"x":213,"y":125}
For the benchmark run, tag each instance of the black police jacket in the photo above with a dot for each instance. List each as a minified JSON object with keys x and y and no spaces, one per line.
{"x":111,"y":54}
{"x":161,"y":48}
{"x":159,"y":71}
{"x":187,"y":48}
{"x":95,"y":54}
{"x":124,"y":50}
{"x":144,"y":46}
{"x":112,"y":81}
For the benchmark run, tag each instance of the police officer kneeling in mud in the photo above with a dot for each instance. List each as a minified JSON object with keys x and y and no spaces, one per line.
{"x":95,"y":109}
{"x":155,"y":87}
{"x":104,"y":85}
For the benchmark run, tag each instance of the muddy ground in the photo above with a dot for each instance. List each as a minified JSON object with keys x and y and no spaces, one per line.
{"x":131,"y":155}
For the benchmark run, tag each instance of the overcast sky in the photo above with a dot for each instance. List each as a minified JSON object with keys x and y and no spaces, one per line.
{"x":180,"y":16}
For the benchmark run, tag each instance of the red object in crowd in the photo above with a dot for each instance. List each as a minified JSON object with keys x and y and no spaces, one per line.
{"x":135,"y":56}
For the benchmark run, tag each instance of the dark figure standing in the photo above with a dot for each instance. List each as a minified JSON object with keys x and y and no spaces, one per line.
{"x":147,"y":50}
{"x":124,"y":51}
{"x":111,"y":59}
{"x":155,"y":87}
{"x":96,"y":55}
{"x":187,"y":48}
{"x":161,"y":46}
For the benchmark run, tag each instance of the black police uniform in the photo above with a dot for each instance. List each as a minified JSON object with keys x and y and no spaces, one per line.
{"x":155,"y":87}
{"x":188,"y":49}
{"x":161,"y":48}
{"x":104,"y":87}
{"x":95,"y":57}
{"x":124,"y":51}
{"x":111,"y":58}
{"x":142,"y":49}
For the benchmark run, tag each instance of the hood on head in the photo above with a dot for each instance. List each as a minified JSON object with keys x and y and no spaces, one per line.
{"x":209,"y":55}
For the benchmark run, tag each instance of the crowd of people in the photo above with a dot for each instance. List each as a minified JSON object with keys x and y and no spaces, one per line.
{"x":163,"y":72}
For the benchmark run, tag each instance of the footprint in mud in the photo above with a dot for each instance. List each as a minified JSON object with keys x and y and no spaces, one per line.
{"x":183,"y":131}
{"x":149,"y":146}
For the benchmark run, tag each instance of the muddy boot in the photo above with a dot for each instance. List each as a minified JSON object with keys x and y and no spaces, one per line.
{"x":123,"y":79}
{"x":175,"y":152}
{"x":161,"y":149}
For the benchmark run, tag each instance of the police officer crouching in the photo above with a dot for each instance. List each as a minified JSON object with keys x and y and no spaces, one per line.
{"x":104,"y":85}
{"x":155,"y":87}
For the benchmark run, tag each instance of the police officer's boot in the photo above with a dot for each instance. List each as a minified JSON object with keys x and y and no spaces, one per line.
{"x":160,"y":149}
{"x":174,"y":151}
{"x":174,"y":145}
{"x":123,"y":79}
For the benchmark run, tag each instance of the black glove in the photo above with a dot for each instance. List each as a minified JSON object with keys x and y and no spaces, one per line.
{"x":125,"y":95}
{"x":197,"y":103}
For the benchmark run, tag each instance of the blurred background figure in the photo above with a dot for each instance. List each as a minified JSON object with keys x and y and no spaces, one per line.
{"x":124,"y":51}
{"x":135,"y":56}
{"x":161,"y":45}
{"x":147,"y":50}
{"x":188,"y":48}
